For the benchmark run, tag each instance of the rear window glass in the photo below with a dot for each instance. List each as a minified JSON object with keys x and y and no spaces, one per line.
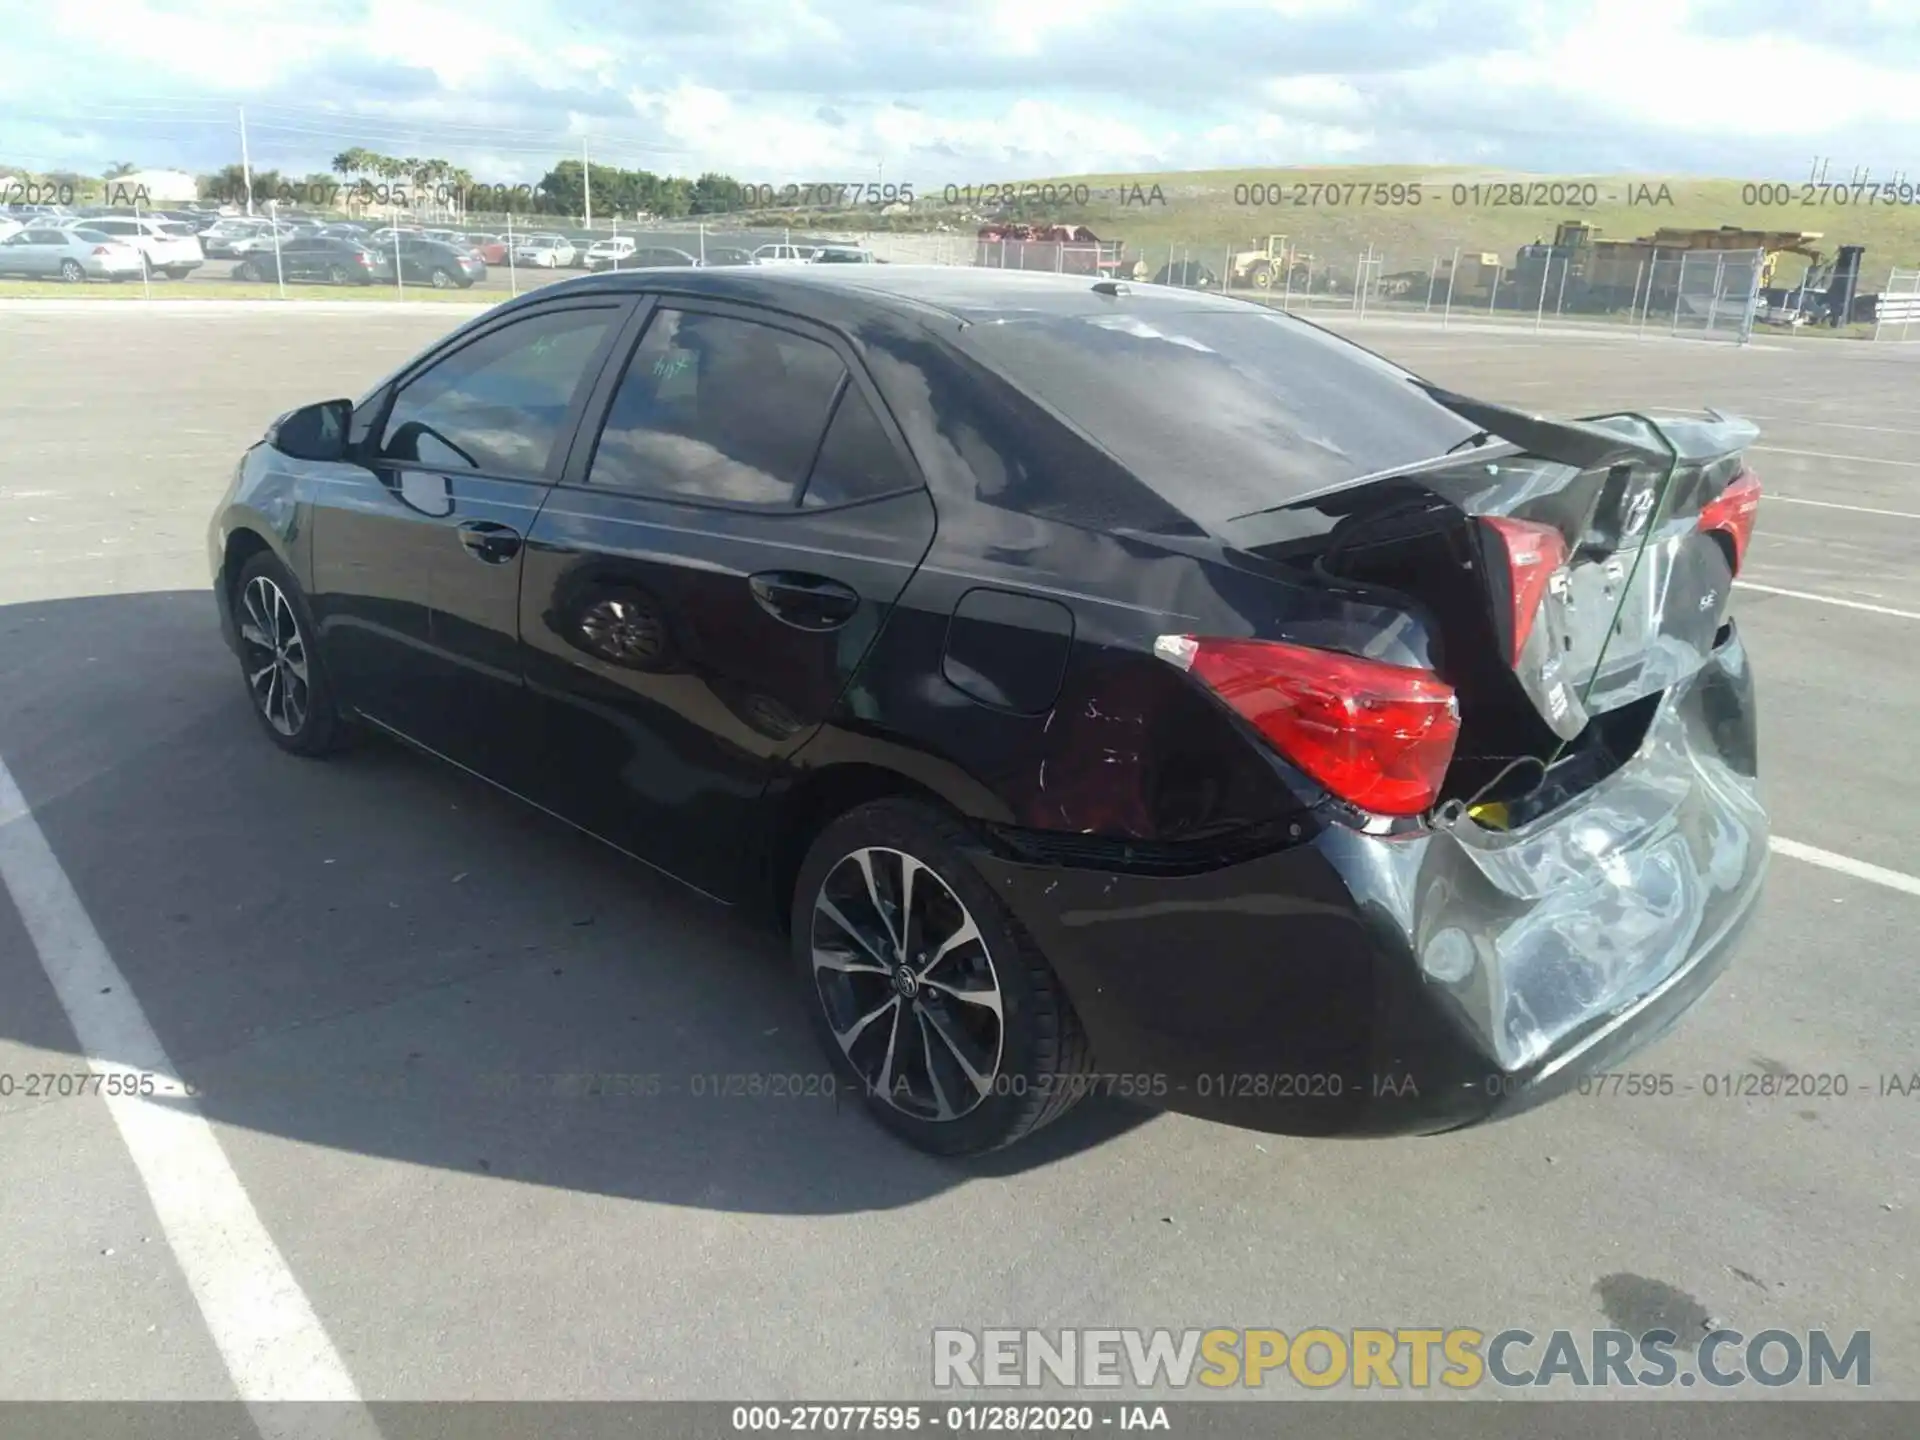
{"x":1222,"y":414}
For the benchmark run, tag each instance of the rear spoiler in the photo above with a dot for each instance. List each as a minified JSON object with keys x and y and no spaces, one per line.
{"x":1587,"y":443}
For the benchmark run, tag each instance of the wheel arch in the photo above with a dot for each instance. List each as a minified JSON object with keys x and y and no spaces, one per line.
{"x":800,"y":810}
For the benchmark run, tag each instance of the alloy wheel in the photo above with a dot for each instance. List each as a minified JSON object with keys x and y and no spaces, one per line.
{"x":907,"y":984}
{"x":275,"y":656}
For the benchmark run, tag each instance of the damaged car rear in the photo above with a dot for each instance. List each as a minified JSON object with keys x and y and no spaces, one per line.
{"x":1411,"y":774}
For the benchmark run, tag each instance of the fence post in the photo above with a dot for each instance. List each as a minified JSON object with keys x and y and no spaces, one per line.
{"x":1433,"y":268}
{"x":146,"y":265}
{"x":1633,"y":305}
{"x":1453,"y":273}
{"x":1713,"y":300}
{"x":1359,"y":270}
{"x":513,"y":274}
{"x":1286,"y":295}
{"x":1546,"y":274}
{"x":1679,"y":293}
{"x":1493,"y":295}
{"x":1560,"y":300}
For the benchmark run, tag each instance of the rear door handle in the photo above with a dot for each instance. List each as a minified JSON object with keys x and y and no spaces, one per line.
{"x":807,"y":602}
{"x":489,"y":541}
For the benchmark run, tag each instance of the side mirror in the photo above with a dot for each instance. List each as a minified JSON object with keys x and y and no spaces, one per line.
{"x":313,"y":432}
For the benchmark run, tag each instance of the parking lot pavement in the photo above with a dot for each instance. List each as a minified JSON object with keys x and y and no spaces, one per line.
{"x":353,"y":959}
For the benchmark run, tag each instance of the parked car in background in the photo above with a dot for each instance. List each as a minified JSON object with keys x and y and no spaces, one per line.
{"x":47,"y":252}
{"x":545,"y":252}
{"x":218,"y":239}
{"x":613,"y":254}
{"x":724,"y":255}
{"x":388,"y":234}
{"x":783,"y":255}
{"x":843,"y":255}
{"x":490,"y":248}
{"x":171,"y":249}
{"x":650,"y":256}
{"x":318,"y":259}
{"x":10,"y":226}
{"x":443,"y":266}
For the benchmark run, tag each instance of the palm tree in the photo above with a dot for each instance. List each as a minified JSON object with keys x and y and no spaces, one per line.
{"x":119,"y":168}
{"x":461,"y":180}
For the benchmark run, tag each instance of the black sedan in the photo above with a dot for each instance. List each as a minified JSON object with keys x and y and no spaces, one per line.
{"x":332,"y":259}
{"x":436,"y":263}
{"x":1106,"y":690}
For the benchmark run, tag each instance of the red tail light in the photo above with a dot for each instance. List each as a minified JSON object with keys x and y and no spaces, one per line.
{"x":102,"y":250}
{"x":1378,"y":736}
{"x":1733,"y":511}
{"x":1534,"y":552}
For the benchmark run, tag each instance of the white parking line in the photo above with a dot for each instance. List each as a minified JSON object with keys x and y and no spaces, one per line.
{"x":1846,"y":865}
{"x":1826,"y":599}
{"x":1836,"y":505}
{"x":1833,"y":424}
{"x":274,"y":1345}
{"x":1829,"y":455}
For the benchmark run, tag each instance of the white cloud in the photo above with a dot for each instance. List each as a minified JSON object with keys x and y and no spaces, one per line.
{"x":966,"y":90}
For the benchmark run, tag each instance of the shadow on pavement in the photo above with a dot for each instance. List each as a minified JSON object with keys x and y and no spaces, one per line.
{"x":380,"y":955}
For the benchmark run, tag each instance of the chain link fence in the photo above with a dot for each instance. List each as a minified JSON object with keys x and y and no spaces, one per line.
{"x":1897,"y":308}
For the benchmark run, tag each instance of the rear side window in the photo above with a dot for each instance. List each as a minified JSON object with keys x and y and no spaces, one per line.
{"x":857,"y":459}
{"x":714,"y":408}
{"x":1222,"y":413}
{"x":500,"y":403}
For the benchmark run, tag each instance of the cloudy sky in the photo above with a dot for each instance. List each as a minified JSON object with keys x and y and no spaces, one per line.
{"x":967,"y":91}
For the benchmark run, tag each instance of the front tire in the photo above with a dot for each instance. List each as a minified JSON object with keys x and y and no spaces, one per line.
{"x":924,"y":991}
{"x":285,"y":675}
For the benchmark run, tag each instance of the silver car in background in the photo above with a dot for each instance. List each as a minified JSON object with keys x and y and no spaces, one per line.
{"x":548,"y":252}
{"x":76,"y":254}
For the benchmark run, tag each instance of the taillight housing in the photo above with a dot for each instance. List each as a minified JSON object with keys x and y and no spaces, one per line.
{"x":1733,"y":512}
{"x":1534,"y":552}
{"x":1378,"y":736}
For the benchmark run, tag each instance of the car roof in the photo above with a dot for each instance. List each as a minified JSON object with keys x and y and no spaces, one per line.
{"x":967,"y":294}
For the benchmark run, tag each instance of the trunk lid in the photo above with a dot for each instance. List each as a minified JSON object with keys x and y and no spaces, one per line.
{"x":1567,"y":574}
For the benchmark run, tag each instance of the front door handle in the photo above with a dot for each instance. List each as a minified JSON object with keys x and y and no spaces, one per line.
{"x":807,"y":602}
{"x":489,"y":541}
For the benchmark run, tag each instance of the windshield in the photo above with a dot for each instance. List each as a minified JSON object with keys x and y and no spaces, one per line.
{"x":1222,"y":413}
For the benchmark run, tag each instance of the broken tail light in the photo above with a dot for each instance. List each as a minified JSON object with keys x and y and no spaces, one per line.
{"x":1733,"y":513}
{"x":1534,"y":553}
{"x":1378,"y":736}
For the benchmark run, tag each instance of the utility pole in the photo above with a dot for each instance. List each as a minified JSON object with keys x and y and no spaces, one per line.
{"x":586,"y":179}
{"x":246,"y":166}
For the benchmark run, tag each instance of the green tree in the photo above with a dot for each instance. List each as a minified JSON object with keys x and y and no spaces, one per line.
{"x":119,"y":168}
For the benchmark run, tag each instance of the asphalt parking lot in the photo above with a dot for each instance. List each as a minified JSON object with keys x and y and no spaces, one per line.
{"x":345,"y":957}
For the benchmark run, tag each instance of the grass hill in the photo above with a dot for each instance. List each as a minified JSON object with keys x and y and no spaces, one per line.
{"x":1210,"y":211}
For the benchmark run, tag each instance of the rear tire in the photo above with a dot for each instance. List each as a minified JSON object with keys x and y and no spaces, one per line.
{"x":285,"y":674}
{"x":247,"y":271}
{"x":441,"y":279}
{"x":963,"y":1040}
{"x":338,"y":275}
{"x":73,"y":272}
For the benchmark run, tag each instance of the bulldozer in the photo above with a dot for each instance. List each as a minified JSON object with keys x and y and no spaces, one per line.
{"x":1269,"y":266}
